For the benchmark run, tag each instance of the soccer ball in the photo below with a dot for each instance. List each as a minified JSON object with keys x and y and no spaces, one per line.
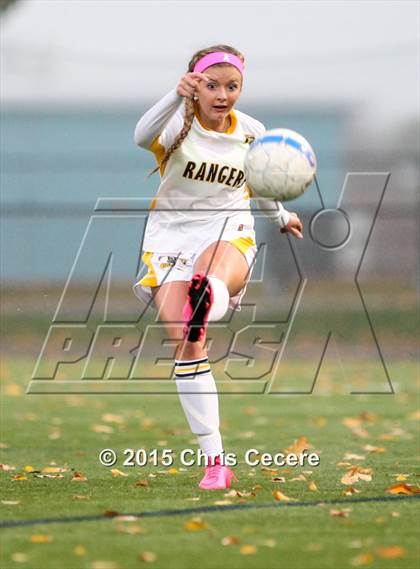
{"x":280,"y":165}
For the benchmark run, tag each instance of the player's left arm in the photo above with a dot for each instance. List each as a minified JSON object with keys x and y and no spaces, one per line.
{"x":294,"y":225}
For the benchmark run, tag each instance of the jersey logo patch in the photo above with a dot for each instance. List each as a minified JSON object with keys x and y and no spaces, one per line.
{"x":169,"y":261}
{"x":249,"y":138}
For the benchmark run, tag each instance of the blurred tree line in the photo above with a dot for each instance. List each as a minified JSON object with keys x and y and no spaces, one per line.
{"x":4,"y":4}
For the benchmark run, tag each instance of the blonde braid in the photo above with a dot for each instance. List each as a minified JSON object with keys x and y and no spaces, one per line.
{"x":188,"y":120}
{"x":189,"y":104}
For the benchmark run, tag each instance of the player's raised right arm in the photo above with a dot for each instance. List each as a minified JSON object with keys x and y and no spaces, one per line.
{"x":155,"y":119}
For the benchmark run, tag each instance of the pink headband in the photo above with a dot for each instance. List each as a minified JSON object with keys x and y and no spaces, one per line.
{"x":218,"y":57}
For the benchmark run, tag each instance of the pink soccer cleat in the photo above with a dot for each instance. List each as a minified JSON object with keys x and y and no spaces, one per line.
{"x":197,"y":307}
{"x":217,"y":477}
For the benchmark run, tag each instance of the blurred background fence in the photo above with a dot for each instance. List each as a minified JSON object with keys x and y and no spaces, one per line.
{"x":55,"y":165}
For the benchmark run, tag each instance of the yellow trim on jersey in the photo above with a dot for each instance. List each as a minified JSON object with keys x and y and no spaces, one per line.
{"x":249,"y":191}
{"x":153,"y":203}
{"x":150,"y":279}
{"x":243,"y":243}
{"x":231,"y":115}
{"x":159,"y":152}
{"x":233,"y":122}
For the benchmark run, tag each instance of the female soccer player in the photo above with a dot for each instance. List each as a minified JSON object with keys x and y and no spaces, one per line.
{"x":199,"y":243}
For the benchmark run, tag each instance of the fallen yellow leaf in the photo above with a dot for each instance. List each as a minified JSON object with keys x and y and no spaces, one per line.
{"x":111,"y":513}
{"x":106,"y":429}
{"x":53,"y":469}
{"x":403,"y":489}
{"x":195,"y":524}
{"x":400,"y":477}
{"x":147,"y":556}
{"x":19,"y":557}
{"x":54,"y":435}
{"x":103,"y":565}
{"x":143,"y":483}
{"x":391,"y":552}
{"x":350,"y":491}
{"x":387,"y":437}
{"x":111,"y":418}
{"x":298,"y":446}
{"x":356,"y":473}
{"x":250,"y":411}
{"x":247,"y":435}
{"x":415,"y":416}
{"x":240,"y":494}
{"x":319,"y":421}
{"x":353,"y":456}
{"x":148,"y":422}
{"x":297,"y":478}
{"x":312,"y":486}
{"x":130,"y":529}
{"x":362,"y":559}
{"x":370,"y":417}
{"x":115,"y":472}
{"x":79,"y":550}
{"x":344,"y":513}
{"x":230,"y":540}
{"x":248,"y":549}
{"x":371,"y":448}
{"x":7,"y":467}
{"x":352,"y":422}
{"x":13,"y":389}
{"x":281,"y":497}
{"x":355,"y":425}
{"x":267,"y":470}
{"x":41,"y":538}
{"x":78,"y":477}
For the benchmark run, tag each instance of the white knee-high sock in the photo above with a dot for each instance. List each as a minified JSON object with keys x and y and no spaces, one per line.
{"x":220,"y":299}
{"x":198,"y":395}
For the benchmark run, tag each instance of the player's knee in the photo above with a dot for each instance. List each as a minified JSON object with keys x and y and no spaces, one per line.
{"x":220,"y":299}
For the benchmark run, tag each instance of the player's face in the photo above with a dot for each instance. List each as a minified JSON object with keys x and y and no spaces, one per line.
{"x":217,"y":96}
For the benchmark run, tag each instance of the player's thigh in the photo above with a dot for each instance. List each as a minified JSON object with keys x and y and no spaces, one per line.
{"x":169,"y":299}
{"x":225,"y":261}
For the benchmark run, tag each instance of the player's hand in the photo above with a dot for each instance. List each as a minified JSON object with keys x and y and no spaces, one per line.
{"x":188,"y":84}
{"x":294,"y":226}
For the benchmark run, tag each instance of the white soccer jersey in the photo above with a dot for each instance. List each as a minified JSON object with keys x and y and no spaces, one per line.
{"x":204,"y":180}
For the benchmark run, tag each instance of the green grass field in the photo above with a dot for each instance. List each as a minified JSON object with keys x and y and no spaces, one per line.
{"x":68,"y":431}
